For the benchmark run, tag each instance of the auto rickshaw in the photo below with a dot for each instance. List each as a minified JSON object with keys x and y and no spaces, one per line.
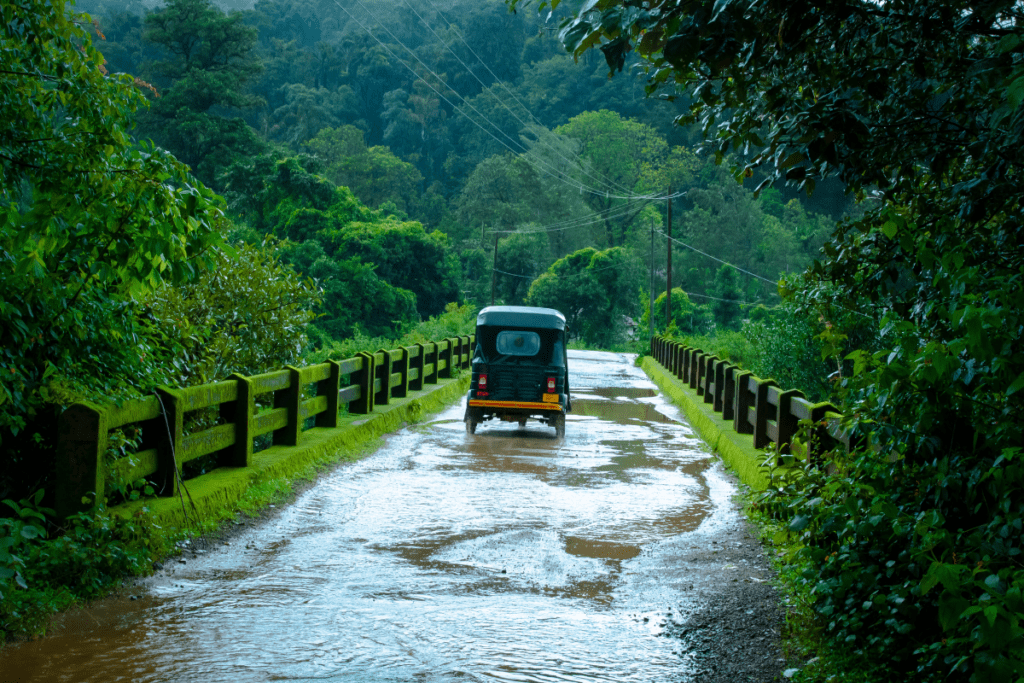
{"x":520,"y":368}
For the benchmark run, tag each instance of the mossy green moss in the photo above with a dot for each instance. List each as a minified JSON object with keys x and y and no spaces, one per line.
{"x":216,"y":495}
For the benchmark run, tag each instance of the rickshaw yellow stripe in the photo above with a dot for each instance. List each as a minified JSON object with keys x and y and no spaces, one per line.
{"x":477,"y":403}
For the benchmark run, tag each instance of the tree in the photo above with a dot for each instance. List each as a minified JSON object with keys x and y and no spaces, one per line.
{"x":595,"y":290}
{"x":88,"y":220}
{"x":246,"y":314}
{"x":916,"y":107}
{"x":211,"y":58}
{"x":374,"y":174}
{"x":726,"y":305}
{"x":404,"y":255}
{"x":307,"y":111}
{"x":622,"y":157}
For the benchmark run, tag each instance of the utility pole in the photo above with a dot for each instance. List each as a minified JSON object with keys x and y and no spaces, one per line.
{"x":668,"y":285}
{"x":494,"y":269}
{"x":650,"y":309}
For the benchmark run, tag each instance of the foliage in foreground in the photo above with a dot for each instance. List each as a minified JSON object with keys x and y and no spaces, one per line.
{"x":44,"y":569}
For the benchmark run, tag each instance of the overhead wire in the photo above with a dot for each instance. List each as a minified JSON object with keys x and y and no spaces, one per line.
{"x":568,"y":180}
{"x":534,"y":277}
{"x":600,"y":179}
{"x":557,"y":175}
{"x":583,"y":221}
{"x":715,"y":258}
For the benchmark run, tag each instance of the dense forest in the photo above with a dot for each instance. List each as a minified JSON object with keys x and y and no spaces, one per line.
{"x":394,"y":147}
{"x":192,"y":188}
{"x":330,"y":172}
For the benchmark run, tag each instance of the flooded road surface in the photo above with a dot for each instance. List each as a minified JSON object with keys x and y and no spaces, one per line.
{"x":507,"y":555}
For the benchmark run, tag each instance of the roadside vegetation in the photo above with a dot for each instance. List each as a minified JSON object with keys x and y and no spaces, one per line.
{"x":908,"y":550}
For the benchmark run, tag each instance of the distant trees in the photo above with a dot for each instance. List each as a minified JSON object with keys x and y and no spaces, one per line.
{"x":379,"y":273}
{"x":593,"y":289}
{"x":374,"y":174}
{"x":210,"y":57}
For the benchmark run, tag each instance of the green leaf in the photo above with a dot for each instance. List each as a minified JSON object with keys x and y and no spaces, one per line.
{"x":1016,"y":385}
{"x":950,"y":610}
{"x":1015,"y":92}
{"x":799,"y":523}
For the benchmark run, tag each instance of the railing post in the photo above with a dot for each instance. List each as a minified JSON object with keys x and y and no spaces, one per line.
{"x":364,"y":378}
{"x":290,"y":399}
{"x":709,"y":379}
{"x":788,"y":423}
{"x":446,"y":355}
{"x":763,"y":411}
{"x":695,"y":357}
{"x":170,"y":444}
{"x":718,"y":398}
{"x":401,"y":390}
{"x":432,"y":357}
{"x":742,"y":403}
{"x":329,"y":387}
{"x":697,"y":382}
{"x":383,"y":373}
{"x":81,"y":446}
{"x":417,"y":364}
{"x":729,"y":391}
{"x":242,"y":413}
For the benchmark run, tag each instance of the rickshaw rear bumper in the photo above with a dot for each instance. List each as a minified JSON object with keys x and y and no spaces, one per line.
{"x":517,"y":407}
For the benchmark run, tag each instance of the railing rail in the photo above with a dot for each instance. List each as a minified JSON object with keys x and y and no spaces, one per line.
{"x":759,"y":407}
{"x":371,"y":379}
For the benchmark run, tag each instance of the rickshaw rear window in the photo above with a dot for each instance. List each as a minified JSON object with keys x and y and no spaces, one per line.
{"x":518,"y":343}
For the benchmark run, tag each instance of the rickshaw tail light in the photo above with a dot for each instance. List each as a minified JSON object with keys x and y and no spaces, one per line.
{"x":482,"y":382}
{"x":551,"y":385}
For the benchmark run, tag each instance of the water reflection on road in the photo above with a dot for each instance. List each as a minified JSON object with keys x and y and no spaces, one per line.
{"x":507,"y":555}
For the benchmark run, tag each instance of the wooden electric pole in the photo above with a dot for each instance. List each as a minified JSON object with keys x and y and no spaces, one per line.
{"x":650,"y":308}
{"x":494,"y":269}
{"x":668,"y":285}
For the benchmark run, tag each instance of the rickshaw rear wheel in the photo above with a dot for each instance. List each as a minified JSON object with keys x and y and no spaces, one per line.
{"x":473,"y":416}
{"x":559,"y":426}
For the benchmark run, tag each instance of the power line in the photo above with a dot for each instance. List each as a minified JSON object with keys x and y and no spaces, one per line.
{"x":713,"y":258}
{"x":572,"y":182}
{"x":571,"y":274}
{"x":616,"y":212}
{"x":607,"y":181}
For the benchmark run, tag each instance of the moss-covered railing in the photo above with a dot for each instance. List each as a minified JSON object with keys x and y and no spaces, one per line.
{"x":301,"y":400}
{"x":759,"y":407}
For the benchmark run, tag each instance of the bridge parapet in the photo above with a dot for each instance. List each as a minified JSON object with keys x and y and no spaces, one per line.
{"x":300,"y":400}
{"x":759,"y":407}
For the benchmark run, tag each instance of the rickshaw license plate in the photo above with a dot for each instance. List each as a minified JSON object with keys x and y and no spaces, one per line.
{"x":550,"y":398}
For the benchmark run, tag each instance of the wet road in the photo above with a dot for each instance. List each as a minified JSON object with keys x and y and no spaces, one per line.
{"x":503,"y":556}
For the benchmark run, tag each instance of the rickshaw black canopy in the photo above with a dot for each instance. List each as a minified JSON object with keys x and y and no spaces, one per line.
{"x":521,"y":316}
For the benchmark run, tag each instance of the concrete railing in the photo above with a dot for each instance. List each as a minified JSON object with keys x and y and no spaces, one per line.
{"x":296,"y":395}
{"x":759,"y":407}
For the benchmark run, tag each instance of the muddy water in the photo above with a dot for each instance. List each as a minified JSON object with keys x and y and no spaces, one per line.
{"x":503,"y":556}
